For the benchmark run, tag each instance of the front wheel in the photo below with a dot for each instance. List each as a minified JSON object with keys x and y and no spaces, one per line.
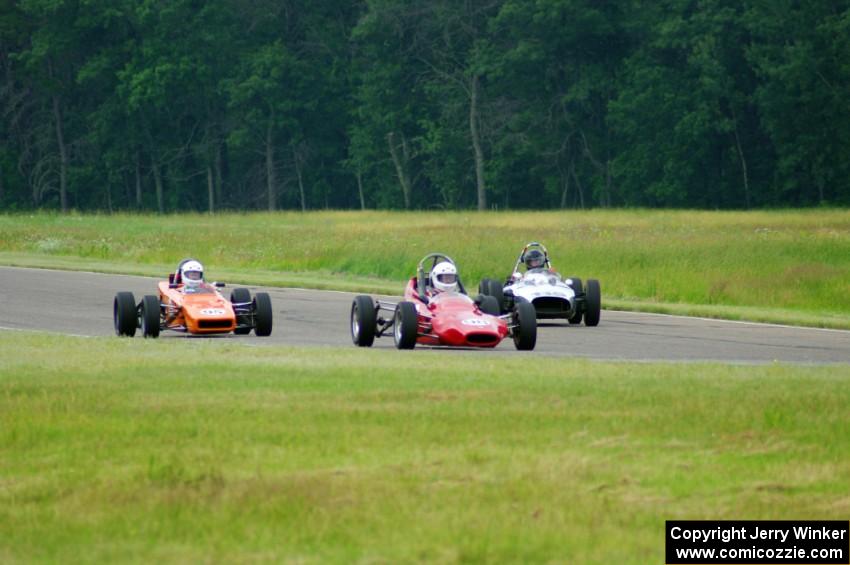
{"x":489,"y":305}
{"x":405,"y":325}
{"x":484,"y":286}
{"x":497,"y":291}
{"x":363,"y":321}
{"x":124,"y":314}
{"x":150,"y":316}
{"x":262,"y":307}
{"x":592,"y":303}
{"x":525,"y":326}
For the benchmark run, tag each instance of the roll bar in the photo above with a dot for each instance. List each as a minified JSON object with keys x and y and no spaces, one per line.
{"x":421,"y":273}
{"x":532,"y":244}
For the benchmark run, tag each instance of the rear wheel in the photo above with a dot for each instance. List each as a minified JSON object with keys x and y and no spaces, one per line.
{"x":525,"y":326}
{"x":592,"y":303}
{"x":241,"y":296}
{"x":405,"y":325}
{"x":262,"y":308}
{"x":488,"y":305}
{"x":363,"y":321}
{"x":150,"y":316}
{"x":577,"y":288}
{"x":124,"y":314}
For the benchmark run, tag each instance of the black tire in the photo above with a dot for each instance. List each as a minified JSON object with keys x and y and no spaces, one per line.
{"x":497,"y":291}
{"x":124,"y":314}
{"x":525,"y":332}
{"x":489,"y":305}
{"x":241,"y":296}
{"x":150,"y":316}
{"x":592,"y":303}
{"x":405,"y":325}
{"x":363,"y":321}
{"x":262,"y":308}
{"x":578,"y":289}
{"x":484,"y":286}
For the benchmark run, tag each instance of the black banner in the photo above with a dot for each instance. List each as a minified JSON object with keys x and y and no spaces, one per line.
{"x":695,"y":542}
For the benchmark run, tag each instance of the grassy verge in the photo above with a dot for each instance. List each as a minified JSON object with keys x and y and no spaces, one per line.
{"x":199,"y":450}
{"x":321,"y":280}
{"x":787,"y":267}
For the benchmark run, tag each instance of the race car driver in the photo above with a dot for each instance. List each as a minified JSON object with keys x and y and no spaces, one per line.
{"x":190,"y":273}
{"x":444,"y":277}
{"x":534,"y":259}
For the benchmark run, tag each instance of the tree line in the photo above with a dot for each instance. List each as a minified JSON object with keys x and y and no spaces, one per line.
{"x":171,"y":105}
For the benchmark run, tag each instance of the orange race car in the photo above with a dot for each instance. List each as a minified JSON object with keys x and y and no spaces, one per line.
{"x":186,"y":303}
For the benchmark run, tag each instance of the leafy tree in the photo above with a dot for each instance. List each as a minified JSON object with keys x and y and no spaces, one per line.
{"x":683,"y":108}
{"x":800,"y":52}
{"x":183,"y":104}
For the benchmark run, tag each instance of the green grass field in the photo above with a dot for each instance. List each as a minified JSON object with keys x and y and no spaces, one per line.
{"x":207,"y":451}
{"x":779,"y":266}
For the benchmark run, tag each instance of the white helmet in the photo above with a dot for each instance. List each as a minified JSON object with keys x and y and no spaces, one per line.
{"x":192,"y":273}
{"x":444,"y":277}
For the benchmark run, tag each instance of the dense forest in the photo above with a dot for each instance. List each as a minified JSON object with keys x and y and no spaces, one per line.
{"x":170,"y":105}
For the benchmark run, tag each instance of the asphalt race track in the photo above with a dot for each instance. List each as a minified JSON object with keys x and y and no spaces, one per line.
{"x":81,"y":304}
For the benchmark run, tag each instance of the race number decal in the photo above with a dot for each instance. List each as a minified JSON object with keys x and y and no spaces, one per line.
{"x":212,"y":312}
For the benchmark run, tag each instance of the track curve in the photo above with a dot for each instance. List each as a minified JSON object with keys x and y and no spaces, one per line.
{"x":80,"y":303}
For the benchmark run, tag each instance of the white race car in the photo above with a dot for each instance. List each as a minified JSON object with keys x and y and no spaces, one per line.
{"x":552,"y":295}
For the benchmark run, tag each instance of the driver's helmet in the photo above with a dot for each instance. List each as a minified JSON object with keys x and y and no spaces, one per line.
{"x":534,"y":259}
{"x":444,"y":277}
{"x":192,"y":273}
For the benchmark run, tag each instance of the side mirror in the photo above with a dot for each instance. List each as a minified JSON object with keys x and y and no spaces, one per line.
{"x":170,"y":278}
{"x":219,"y":285}
{"x":508,"y":292}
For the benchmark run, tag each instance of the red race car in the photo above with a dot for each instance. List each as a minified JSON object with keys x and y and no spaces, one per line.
{"x":188,"y":304}
{"x":437,"y":311}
